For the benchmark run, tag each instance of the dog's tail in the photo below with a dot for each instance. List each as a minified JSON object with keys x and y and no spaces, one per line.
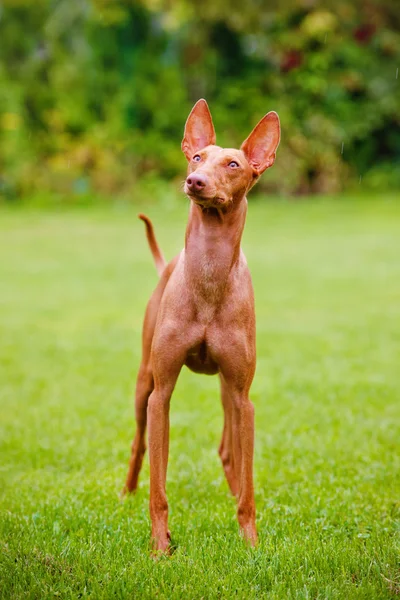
{"x":154,"y":247}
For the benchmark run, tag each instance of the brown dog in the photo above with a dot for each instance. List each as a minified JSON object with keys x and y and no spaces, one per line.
{"x":202,"y":314}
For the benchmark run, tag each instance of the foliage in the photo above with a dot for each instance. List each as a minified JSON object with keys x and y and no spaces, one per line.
{"x":327,"y":466}
{"x":94,"y":94}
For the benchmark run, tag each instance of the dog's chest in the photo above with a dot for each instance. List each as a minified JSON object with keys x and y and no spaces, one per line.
{"x":209,"y":287}
{"x":209,"y":278}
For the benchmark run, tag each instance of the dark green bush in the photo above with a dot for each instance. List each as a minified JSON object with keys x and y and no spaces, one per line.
{"x":94,"y":94}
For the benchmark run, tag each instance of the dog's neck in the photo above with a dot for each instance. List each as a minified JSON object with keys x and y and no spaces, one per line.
{"x":212,"y":247}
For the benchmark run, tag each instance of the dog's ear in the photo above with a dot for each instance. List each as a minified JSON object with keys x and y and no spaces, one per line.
{"x":199,"y":130}
{"x":260,"y":147}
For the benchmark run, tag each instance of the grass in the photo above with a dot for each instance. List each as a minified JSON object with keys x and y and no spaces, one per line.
{"x":73,"y":291}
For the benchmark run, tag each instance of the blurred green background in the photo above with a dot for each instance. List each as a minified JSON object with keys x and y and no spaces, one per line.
{"x":94,"y":93}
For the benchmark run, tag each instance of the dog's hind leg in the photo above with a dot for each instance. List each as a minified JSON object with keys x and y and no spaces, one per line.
{"x":225,"y":450}
{"x":145,"y":382}
{"x":144,"y":387}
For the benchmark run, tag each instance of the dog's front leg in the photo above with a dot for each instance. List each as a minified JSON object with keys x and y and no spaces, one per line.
{"x":237,"y":363}
{"x":158,"y":423}
{"x":169,"y":352}
{"x":243,"y":431}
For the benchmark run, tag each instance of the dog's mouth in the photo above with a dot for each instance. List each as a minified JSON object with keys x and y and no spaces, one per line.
{"x":205,"y":200}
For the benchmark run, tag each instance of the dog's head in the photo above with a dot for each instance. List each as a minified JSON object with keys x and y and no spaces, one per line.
{"x":217,"y":177}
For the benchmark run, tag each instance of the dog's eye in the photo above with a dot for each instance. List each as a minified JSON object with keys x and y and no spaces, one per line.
{"x":233,"y":164}
{"x":196,"y":158}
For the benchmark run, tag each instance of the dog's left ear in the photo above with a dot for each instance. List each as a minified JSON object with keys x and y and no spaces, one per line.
{"x":199,"y":130}
{"x":260,"y":147}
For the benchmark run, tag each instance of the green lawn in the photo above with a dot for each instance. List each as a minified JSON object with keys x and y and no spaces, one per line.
{"x":73,"y":289}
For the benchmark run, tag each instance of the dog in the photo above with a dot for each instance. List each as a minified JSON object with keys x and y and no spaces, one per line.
{"x":201,"y":315}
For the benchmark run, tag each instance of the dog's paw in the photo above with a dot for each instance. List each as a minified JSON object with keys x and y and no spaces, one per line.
{"x":162,"y":546}
{"x":125,"y":492}
{"x":249,"y":534}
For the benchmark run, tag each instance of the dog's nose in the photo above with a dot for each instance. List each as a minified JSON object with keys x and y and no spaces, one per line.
{"x":196,"y":182}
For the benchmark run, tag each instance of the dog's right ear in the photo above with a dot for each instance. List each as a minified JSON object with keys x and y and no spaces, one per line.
{"x":199,"y":130}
